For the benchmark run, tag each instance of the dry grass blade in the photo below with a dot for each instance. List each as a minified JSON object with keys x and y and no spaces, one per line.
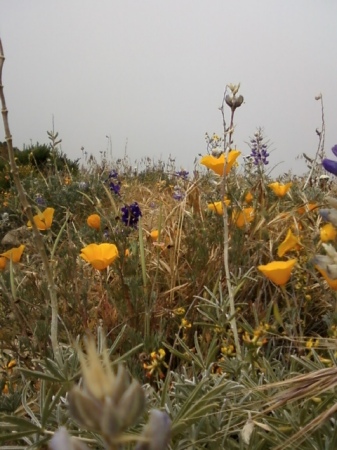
{"x":303,"y":433}
{"x":302,"y":386}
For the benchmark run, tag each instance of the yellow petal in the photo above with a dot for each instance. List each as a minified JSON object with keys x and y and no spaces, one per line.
{"x":100,"y":256}
{"x":249,"y":197}
{"x":241,"y":218}
{"x":291,"y":242}
{"x":331,"y":282}
{"x":218,"y":164}
{"x":278,"y":271}
{"x":280,"y":189}
{"x":3,"y":262}
{"x":328,"y":233}
{"x":14,"y":253}
{"x":307,"y":207}
{"x":154,"y":235}
{"x":44,"y":219}
{"x":217,"y":206}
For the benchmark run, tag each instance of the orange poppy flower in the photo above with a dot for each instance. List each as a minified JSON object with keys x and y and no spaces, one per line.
{"x":278,"y":271}
{"x":14,"y":253}
{"x":241,"y":218}
{"x":100,"y":256}
{"x":43,"y":220}
{"x":94,"y":221}
{"x":328,"y":233}
{"x":154,"y":235}
{"x":218,"y":164}
{"x":280,"y":189}
{"x":217,"y":206}
{"x":291,"y":242}
{"x":331,"y":281}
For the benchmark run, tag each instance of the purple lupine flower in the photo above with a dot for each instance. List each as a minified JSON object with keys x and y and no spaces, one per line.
{"x":259,"y":153}
{"x":113,"y":174}
{"x":329,"y":164}
{"x":178,"y":195}
{"x":131,"y":214}
{"x":40,"y":200}
{"x":115,"y":187}
{"x":182,"y":174}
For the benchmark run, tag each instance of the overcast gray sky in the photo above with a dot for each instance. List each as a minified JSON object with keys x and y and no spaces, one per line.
{"x":153,"y":73}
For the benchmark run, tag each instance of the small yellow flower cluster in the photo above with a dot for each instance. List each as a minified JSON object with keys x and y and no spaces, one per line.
{"x":156,"y":364}
{"x":6,"y":197}
{"x":227,"y":349}
{"x":179,"y":311}
{"x":258,"y":337}
{"x":312,"y":343}
{"x":185,"y":324}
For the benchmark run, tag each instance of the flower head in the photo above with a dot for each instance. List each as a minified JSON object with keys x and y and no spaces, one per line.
{"x":307,"y":207}
{"x":218,"y":164}
{"x":278,"y":271}
{"x":329,"y":164}
{"x":327,"y":265}
{"x":178,"y":194}
{"x":131,"y":214}
{"x":113,"y":174}
{"x":43,"y":220}
{"x":94,"y":221}
{"x":115,"y":188}
{"x":242,"y":218}
{"x":108,"y":402}
{"x":249,"y":197}
{"x":3,"y":263}
{"x":291,"y":242}
{"x":100,"y":256}
{"x":154,"y":235}
{"x":183,"y":174}
{"x":217,"y":207}
{"x":332,"y":282}
{"x":329,"y":215}
{"x":259,"y":150}
{"x":279,"y":189}
{"x":14,"y":254}
{"x":328,"y":233}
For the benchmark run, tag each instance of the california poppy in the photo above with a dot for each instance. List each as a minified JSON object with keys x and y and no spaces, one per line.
{"x":291,"y":242}
{"x":217,"y":206}
{"x":100,"y":256}
{"x":278,"y":271}
{"x":94,"y":221}
{"x":241,"y":218}
{"x":14,"y":253}
{"x":218,"y":164}
{"x":328,"y":232}
{"x":43,"y":220}
{"x":280,"y":189}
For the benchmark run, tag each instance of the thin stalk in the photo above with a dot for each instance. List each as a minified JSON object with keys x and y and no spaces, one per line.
{"x":28,"y":211}
{"x":228,"y":132}
{"x":321,"y":142}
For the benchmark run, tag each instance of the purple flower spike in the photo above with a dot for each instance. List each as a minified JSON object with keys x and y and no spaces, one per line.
{"x":330,"y":165}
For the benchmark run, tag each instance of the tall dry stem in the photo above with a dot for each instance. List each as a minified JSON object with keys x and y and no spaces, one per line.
{"x":228,"y":134}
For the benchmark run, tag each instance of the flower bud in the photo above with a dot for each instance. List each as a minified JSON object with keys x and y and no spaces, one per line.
{"x":63,"y":441}
{"x":131,"y":404}
{"x":156,"y":432}
{"x":85,"y":409}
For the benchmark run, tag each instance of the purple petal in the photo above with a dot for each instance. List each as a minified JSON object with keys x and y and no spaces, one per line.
{"x":330,"y":166}
{"x":334,"y":150}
